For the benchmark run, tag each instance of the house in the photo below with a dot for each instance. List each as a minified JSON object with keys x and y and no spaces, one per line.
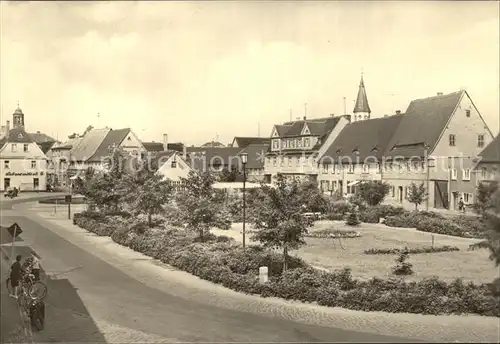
{"x":255,"y":161}
{"x":213,"y":144}
{"x":433,"y":133}
{"x":22,"y":162}
{"x":296,"y":146}
{"x":243,"y":142}
{"x":58,"y":160}
{"x":154,"y":147}
{"x":356,"y":154}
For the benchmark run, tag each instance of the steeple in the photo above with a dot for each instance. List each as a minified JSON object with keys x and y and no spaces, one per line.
{"x":18,"y":117}
{"x":361,"y":108}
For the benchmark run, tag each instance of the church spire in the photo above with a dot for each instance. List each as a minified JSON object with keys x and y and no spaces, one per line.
{"x":361,"y":108}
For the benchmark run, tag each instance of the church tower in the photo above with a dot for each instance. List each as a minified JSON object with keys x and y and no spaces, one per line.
{"x":361,"y":108}
{"x":18,"y":117}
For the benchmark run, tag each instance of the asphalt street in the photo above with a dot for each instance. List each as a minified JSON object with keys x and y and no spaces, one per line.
{"x":129,"y":305}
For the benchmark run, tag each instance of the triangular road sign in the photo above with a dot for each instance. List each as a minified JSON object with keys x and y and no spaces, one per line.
{"x":14,"y":230}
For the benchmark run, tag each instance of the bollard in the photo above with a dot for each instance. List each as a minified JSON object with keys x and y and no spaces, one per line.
{"x":432,"y":240}
{"x":263,"y":275}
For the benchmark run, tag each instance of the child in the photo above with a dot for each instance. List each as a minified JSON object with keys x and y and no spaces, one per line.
{"x":461,"y":205}
{"x":15,"y":276}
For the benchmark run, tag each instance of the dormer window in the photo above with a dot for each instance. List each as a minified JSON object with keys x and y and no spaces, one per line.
{"x":299,"y":143}
{"x":338,"y":151}
{"x":306,"y":142}
{"x":375,"y":149}
{"x":129,"y":138}
{"x":355,"y":151}
{"x":467,"y":113}
{"x":292,"y":144}
{"x":20,"y":136}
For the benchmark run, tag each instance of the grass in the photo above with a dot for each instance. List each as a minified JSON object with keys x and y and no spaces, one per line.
{"x":327,"y":254}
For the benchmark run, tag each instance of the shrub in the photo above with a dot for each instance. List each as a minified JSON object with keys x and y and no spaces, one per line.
{"x":442,"y":226}
{"x":369,"y":216}
{"x":227,"y":264}
{"x":333,"y":234}
{"x":410,"y":219}
{"x":385,"y":210}
{"x":472,"y":225}
{"x":339,"y":207}
{"x":428,"y":249}
{"x":352,"y":219}
{"x":403,"y":267}
{"x":335,"y":217}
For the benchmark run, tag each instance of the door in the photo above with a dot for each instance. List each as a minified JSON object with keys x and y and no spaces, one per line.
{"x":6,"y":183}
{"x":441,"y":194}
{"x":36,"y":183}
{"x":400,"y":194}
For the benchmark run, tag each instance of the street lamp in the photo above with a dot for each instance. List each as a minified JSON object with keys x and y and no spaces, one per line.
{"x":244,"y":160}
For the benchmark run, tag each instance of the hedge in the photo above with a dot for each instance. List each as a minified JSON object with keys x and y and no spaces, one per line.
{"x":428,"y":249}
{"x":61,"y":201}
{"x":227,"y":264}
{"x":333,"y":234}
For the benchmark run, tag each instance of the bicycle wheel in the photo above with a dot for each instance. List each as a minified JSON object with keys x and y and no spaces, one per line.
{"x":37,"y":290}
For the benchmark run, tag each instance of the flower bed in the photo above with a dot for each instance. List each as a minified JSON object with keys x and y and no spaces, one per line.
{"x":227,"y":264}
{"x":332,"y":233}
{"x":428,"y":249}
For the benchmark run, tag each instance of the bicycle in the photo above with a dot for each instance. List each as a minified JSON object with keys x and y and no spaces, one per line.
{"x":35,"y":290}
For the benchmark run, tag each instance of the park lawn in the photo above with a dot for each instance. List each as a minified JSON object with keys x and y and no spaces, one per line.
{"x":327,"y":253}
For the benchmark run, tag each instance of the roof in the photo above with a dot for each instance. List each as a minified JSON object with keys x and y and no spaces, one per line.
{"x":153,"y":146}
{"x":201,"y":158}
{"x":88,"y":144}
{"x":39,"y":137}
{"x":46,"y":146}
{"x":243,"y":142}
{"x":492,"y":151}
{"x":362,"y":100}
{"x":16,"y":135}
{"x":369,"y":138}
{"x":422,"y":124}
{"x":317,"y":126}
{"x":68,"y":144}
{"x":256,"y":155}
{"x":112,"y":139}
{"x":215,"y":144}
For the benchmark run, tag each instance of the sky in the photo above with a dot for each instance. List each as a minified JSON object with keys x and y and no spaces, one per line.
{"x":199,"y":71}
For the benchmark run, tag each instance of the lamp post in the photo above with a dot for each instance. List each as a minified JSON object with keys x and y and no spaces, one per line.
{"x":244,"y":160}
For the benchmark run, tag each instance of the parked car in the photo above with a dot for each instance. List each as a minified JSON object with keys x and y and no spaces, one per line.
{"x":11,"y":192}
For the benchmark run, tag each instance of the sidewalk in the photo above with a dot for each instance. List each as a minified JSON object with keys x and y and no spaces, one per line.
{"x":183,"y":285}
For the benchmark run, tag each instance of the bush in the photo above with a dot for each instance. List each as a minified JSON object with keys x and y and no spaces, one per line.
{"x":335,"y":217}
{"x":403,"y":267}
{"x":226,"y":263}
{"x":339,"y":207}
{"x":446,"y":226}
{"x":410,"y":219}
{"x":332,"y":233}
{"x":428,"y":249}
{"x":369,"y":216}
{"x":385,"y":210}
{"x":472,"y":225}
{"x":352,"y":219}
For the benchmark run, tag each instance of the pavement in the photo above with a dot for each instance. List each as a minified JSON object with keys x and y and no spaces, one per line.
{"x":102,"y":292}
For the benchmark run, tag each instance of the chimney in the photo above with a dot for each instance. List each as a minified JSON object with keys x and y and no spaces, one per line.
{"x":165,"y":142}
{"x":305,"y":118}
{"x":440,"y":93}
{"x":7,"y":127}
{"x":398,"y":112}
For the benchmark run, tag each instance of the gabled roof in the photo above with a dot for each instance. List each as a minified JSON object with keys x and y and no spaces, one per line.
{"x":362,"y":100}
{"x":46,"y":146}
{"x":153,"y":146}
{"x":88,"y":144}
{"x":243,"y":142}
{"x":369,"y":138}
{"x":202,"y":158}
{"x":492,"y":151}
{"x":113,"y":139}
{"x":16,"y":135}
{"x":256,"y":155}
{"x":66,"y":145}
{"x":422,"y":124}
{"x":214,"y":144}
{"x":282,"y":128}
{"x":39,"y":137}
{"x":318,"y":127}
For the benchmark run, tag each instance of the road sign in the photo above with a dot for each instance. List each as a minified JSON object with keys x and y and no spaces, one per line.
{"x":14,"y":230}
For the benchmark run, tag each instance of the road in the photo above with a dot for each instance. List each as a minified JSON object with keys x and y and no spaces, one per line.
{"x":92,"y":301}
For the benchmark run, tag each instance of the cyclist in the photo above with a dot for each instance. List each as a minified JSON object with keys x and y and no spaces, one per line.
{"x":35,"y":266}
{"x":15,"y":276}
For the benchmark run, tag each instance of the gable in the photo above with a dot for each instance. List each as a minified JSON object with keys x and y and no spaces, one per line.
{"x":180,"y":171}
{"x":132,"y":141}
{"x":33,"y":152}
{"x":275,"y":133}
{"x":305,"y":130}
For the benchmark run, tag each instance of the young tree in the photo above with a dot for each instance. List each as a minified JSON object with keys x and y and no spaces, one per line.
{"x":144,"y":190}
{"x":313,"y":199}
{"x":484,"y":196}
{"x":229,"y":175}
{"x":373,"y":192}
{"x":201,"y":207}
{"x":278,"y":217}
{"x":417,"y":194}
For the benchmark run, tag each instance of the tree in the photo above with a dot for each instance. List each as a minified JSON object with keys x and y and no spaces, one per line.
{"x":417,"y":194}
{"x":313,"y":199}
{"x":144,"y":190}
{"x":403,"y":266}
{"x":484,"y":196}
{"x":278,"y":217}
{"x":201,"y":207}
{"x":373,"y":192}
{"x":228,"y":175}
{"x":353,"y":219}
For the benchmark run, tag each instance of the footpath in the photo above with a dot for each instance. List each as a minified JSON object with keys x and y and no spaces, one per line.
{"x":181,"y":284}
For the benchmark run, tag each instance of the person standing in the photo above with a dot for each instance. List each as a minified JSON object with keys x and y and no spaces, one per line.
{"x":15,"y":276}
{"x":35,"y":266}
{"x":461,"y":205}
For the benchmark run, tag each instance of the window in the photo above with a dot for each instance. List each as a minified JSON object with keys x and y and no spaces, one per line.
{"x":282,"y":161}
{"x":467,"y":113}
{"x":466,"y":174}
{"x":378,"y":167}
{"x":275,"y":162}
{"x":299,"y":143}
{"x":325,"y":168}
{"x":407,"y":192}
{"x":291,"y":144}
{"x":451,"y":140}
{"x":393,"y":191}
{"x":6,"y":164}
{"x":14,"y":147}
{"x":33,"y":163}
{"x":468,"y":198}
{"x":484,"y":172}
{"x":350,"y":168}
{"x":276,"y":144}
{"x":173,"y":164}
{"x":285,"y":143}
{"x":366,"y":168}
{"x":454,"y":174}
{"x":328,"y":185}
{"x":494,"y":172}
{"x":333,"y":168}
{"x":25,"y":147}
{"x":129,"y":138}
{"x":334,"y":185}
{"x":480,"y":140}
{"x":306,"y":142}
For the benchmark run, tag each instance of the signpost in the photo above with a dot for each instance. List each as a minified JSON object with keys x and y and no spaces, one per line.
{"x":15,"y":231}
{"x":67,"y":199}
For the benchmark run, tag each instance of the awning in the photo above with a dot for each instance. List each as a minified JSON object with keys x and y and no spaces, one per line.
{"x":353,"y":183}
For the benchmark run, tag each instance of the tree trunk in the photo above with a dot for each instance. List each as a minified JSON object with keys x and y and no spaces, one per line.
{"x":416,"y":206}
{"x":285,"y":258}
{"x":150,"y":220}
